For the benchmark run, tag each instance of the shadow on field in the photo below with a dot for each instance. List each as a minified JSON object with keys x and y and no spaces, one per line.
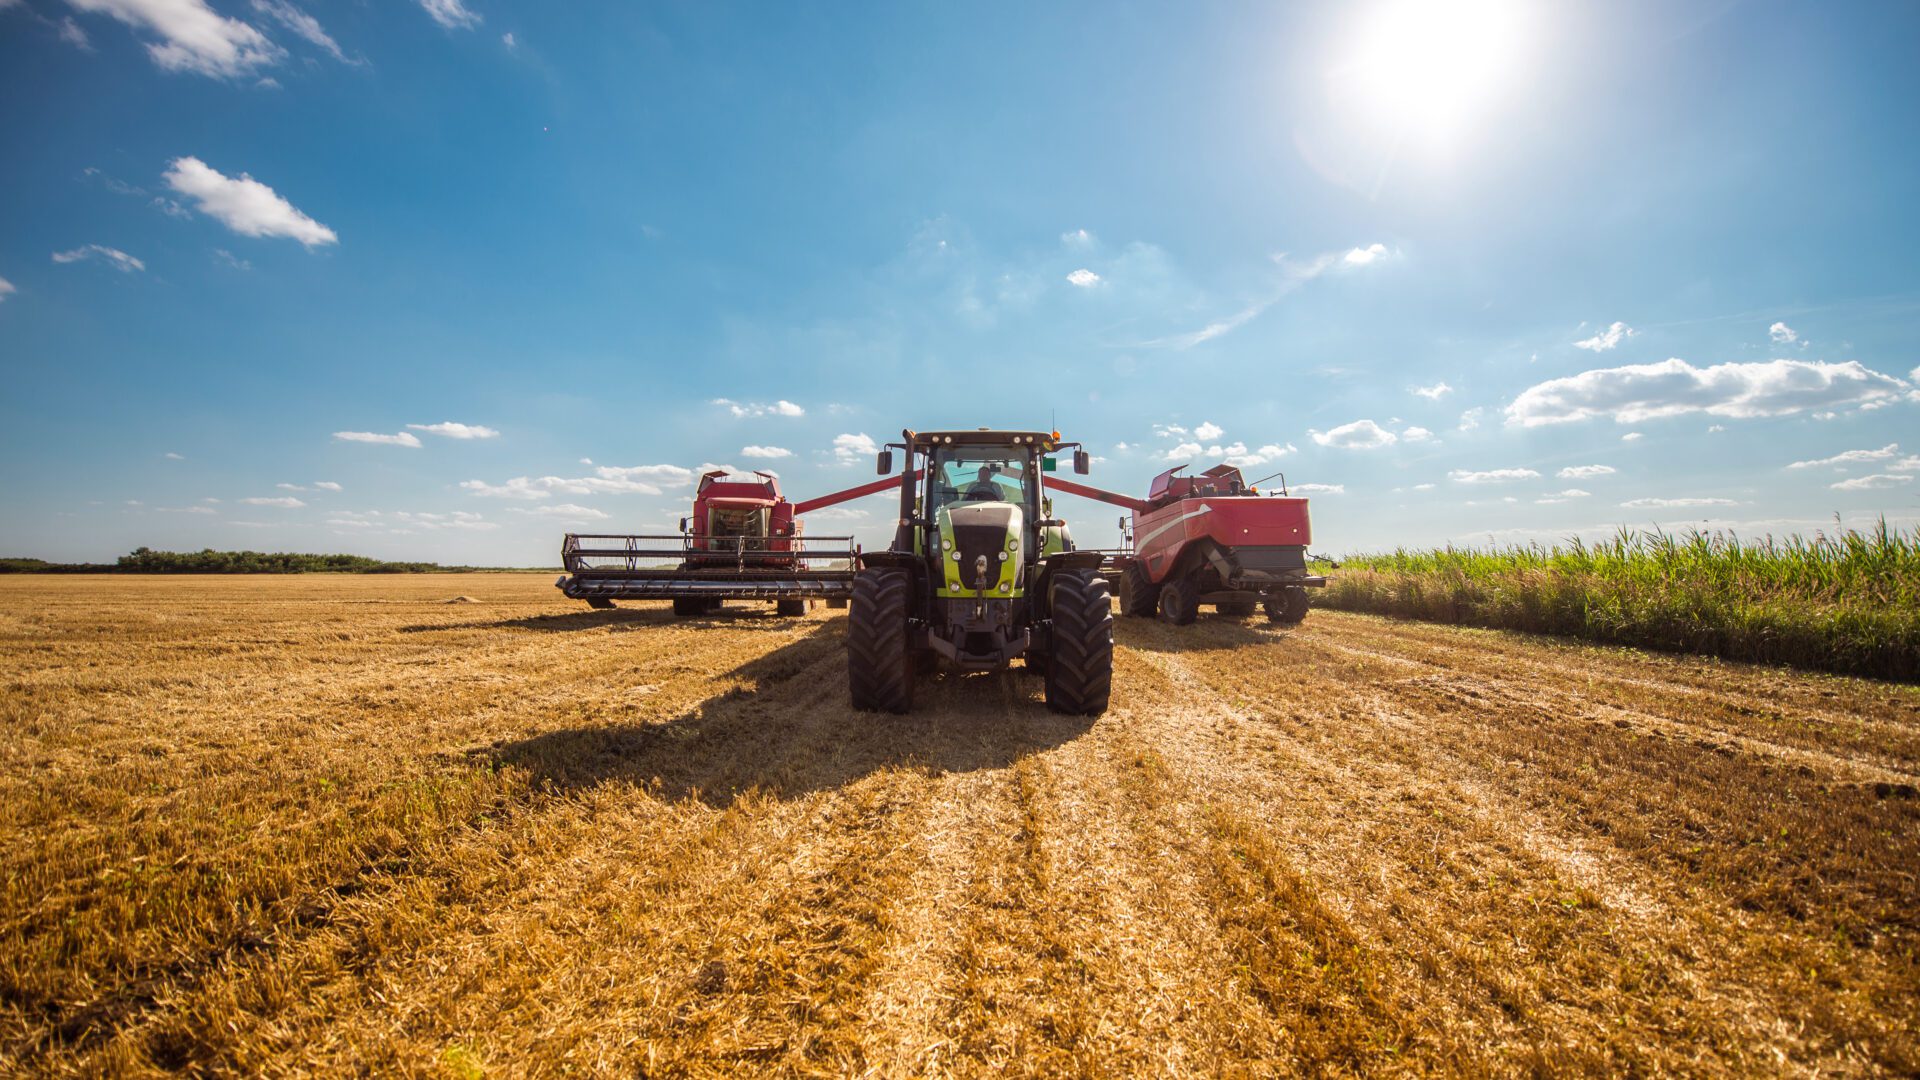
{"x":1205,"y":634}
{"x":743,"y":617}
{"x":787,"y":730}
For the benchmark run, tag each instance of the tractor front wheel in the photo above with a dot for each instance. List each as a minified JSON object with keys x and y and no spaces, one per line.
{"x":1179,"y":601}
{"x":1288,"y":607}
{"x":880,"y":666}
{"x":1079,"y":660}
{"x":1138,"y":594}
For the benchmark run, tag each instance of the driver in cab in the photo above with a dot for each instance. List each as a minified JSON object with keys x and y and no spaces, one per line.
{"x":983,"y":489}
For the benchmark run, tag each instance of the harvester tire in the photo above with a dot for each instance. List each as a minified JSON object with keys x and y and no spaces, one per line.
{"x":1179,"y":601}
{"x":1080,"y":650}
{"x":880,"y":666}
{"x":1139,"y":596}
{"x":789,"y":607}
{"x":1289,"y":608}
{"x":599,"y":603}
{"x":1239,"y":609}
{"x":687,"y":606}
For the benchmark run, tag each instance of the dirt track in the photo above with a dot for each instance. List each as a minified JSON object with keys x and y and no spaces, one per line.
{"x":317,"y":824}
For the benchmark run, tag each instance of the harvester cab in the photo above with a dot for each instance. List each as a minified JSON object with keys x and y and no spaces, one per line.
{"x":978,"y":575}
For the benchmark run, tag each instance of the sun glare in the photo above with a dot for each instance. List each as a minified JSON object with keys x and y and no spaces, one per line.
{"x":1430,"y":70}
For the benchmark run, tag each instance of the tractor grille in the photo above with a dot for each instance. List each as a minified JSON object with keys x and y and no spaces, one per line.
{"x":973,"y":541}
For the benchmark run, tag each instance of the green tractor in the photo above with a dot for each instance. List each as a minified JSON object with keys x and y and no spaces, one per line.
{"x":979,"y":574}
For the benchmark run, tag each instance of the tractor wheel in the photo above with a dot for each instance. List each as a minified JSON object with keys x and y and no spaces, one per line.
{"x":1239,"y":609}
{"x":1138,"y":594}
{"x":1288,"y":608}
{"x":599,"y":603}
{"x":1179,"y":601}
{"x":687,"y":606}
{"x":880,"y":667}
{"x":1080,"y":655}
{"x":789,"y":607}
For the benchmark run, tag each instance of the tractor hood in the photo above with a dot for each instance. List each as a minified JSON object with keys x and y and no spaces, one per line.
{"x":980,"y":549}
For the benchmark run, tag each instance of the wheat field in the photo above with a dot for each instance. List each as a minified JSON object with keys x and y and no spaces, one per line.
{"x":325,"y":825}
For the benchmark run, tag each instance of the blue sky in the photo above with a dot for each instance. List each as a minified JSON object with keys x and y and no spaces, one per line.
{"x":1489,"y":270}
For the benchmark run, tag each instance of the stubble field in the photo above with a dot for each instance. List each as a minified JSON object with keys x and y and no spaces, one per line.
{"x":326,"y":825}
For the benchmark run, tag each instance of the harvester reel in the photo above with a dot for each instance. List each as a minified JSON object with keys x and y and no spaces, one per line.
{"x":1139,"y":596}
{"x":1289,"y":608}
{"x":1179,"y":601}
{"x":880,"y":666}
{"x":1080,"y":658}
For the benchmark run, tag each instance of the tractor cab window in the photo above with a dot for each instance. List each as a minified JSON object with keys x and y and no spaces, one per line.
{"x":965,"y":474}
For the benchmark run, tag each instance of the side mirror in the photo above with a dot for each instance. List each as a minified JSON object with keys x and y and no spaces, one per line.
{"x":885,"y":462}
{"x":1082,"y":462}
{"x":683,"y":524}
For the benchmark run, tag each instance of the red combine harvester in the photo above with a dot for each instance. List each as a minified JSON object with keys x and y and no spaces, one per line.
{"x":742,"y":542}
{"x":1210,"y":539}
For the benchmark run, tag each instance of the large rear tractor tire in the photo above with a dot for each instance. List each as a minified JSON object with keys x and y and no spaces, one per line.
{"x":880,"y":666}
{"x":1080,"y":655}
{"x":689,"y":606}
{"x":1289,"y":608}
{"x":1139,"y":596}
{"x":1179,"y":601}
{"x":789,"y":608}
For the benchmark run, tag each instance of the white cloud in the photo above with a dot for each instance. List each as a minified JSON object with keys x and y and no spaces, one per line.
{"x":228,"y":257}
{"x":1644,"y":504}
{"x":172,"y":456}
{"x":185,"y":510}
{"x":452,"y":14}
{"x":1317,"y":489}
{"x":455,"y":430}
{"x":1471,"y":418}
{"x":1084,"y":278}
{"x":1910,"y":463}
{"x":565,"y":511}
{"x":301,"y":23}
{"x":607,"y":480}
{"x":1433,"y":393}
{"x":1170,"y":431}
{"x":285,"y":502}
{"x":1365,"y":255}
{"x":1782,"y":334}
{"x":753,"y":408}
{"x":1632,"y":436}
{"x":1608,"y":338}
{"x":244,"y":205}
{"x":1848,"y":457}
{"x":1415,"y":434}
{"x":1573,"y":493}
{"x":1359,"y":435}
{"x":72,"y":34}
{"x":1423,"y":487}
{"x":1491,"y":476}
{"x":1871,"y":483}
{"x":115,"y":258}
{"x":1674,"y":387}
{"x":1208,"y":430}
{"x":290,"y":487}
{"x":6,"y":288}
{"x":458,"y":519}
{"x":509,"y":40}
{"x":849,"y":449}
{"x":193,"y":37}
{"x":1585,"y":472}
{"x":401,"y":439}
{"x":327,"y":485}
{"x":765,"y":452}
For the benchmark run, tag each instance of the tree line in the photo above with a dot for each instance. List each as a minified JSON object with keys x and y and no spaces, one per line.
{"x":145,"y":560}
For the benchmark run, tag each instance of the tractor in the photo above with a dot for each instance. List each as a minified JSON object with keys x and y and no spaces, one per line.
{"x":979,"y":574}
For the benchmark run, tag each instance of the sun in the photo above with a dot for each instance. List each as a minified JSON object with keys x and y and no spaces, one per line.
{"x":1431,"y":70}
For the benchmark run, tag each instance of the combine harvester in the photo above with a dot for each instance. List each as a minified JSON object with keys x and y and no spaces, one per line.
{"x":1210,"y":539}
{"x":743,"y":542}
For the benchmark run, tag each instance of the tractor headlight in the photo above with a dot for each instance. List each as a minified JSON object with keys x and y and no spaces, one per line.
{"x":956,"y":556}
{"x":1004,"y":587}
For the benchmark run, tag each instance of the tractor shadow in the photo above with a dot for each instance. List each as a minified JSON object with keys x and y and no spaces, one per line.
{"x":756,"y":617}
{"x":1208,"y":633}
{"x":784,"y":729}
